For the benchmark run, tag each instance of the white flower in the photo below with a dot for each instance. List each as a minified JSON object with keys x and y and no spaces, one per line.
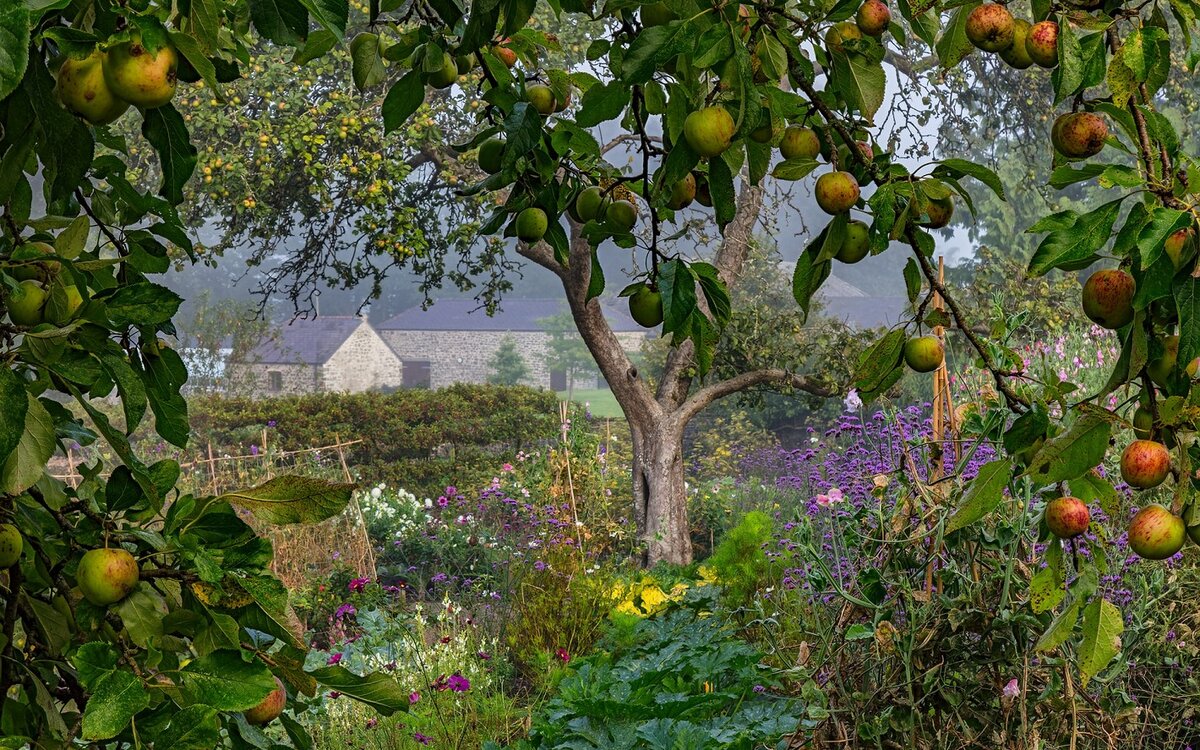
{"x":853,"y":402}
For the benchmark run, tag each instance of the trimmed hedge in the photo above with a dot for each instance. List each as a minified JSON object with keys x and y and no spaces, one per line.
{"x":418,"y":439}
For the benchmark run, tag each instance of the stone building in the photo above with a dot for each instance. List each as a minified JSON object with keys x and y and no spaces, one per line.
{"x":326,"y":353}
{"x":453,"y":341}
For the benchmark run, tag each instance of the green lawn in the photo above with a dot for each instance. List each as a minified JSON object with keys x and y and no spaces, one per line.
{"x":601,"y":401}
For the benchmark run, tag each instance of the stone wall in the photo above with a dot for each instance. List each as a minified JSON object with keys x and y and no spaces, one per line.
{"x":363,"y":363}
{"x":255,"y":379}
{"x":464,"y":356}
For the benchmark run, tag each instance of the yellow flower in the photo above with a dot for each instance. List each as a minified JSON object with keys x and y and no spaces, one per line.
{"x":653,"y":598}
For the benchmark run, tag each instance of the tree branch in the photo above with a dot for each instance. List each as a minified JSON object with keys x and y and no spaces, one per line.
{"x":777,"y":376}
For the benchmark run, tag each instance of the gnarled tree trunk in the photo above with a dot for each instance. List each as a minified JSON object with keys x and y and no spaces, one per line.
{"x":657,"y":419}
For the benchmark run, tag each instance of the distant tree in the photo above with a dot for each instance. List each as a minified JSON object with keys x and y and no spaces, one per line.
{"x":220,"y":332}
{"x":566,"y":349}
{"x":507,"y":365}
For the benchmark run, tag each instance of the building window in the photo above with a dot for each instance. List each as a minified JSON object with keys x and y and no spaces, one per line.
{"x":275,"y":381}
{"x":416,"y":374}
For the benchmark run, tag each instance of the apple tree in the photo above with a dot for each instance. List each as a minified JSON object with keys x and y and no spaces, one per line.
{"x":132,"y":613}
{"x":690,"y":105}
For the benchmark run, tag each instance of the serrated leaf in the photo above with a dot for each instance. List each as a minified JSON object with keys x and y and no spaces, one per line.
{"x":1046,"y":589}
{"x":14,"y":403}
{"x":983,"y":494}
{"x":193,"y":728}
{"x":166,"y":131}
{"x":601,"y":103}
{"x":223,"y":680}
{"x":376,"y":690}
{"x":284,"y":22}
{"x":14,"y":46}
{"x":332,"y":14}
{"x":861,"y":82}
{"x":1073,"y":453}
{"x":1074,"y":246}
{"x":118,"y":697}
{"x":366,"y":62}
{"x":1102,"y":628}
{"x":403,"y":99}
{"x":26,"y":464}
{"x":293,"y":499}
{"x":1060,"y":628}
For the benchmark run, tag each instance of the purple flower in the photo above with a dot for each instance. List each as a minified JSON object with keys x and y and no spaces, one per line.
{"x":345,"y":609}
{"x":358,"y":585}
{"x":334,"y":659}
{"x":1012,"y":689}
{"x":422,"y":738}
{"x":458,"y":683}
{"x":413,"y":697}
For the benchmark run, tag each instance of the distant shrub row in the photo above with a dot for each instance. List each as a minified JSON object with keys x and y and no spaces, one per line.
{"x":416,"y":438}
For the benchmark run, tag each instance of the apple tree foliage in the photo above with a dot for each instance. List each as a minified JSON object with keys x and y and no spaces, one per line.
{"x":774,"y":65}
{"x":175,"y":655}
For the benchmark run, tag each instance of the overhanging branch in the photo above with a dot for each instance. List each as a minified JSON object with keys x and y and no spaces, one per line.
{"x":775,"y":376}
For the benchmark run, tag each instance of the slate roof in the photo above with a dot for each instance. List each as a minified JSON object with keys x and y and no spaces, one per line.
{"x":310,"y":341}
{"x":513,"y":315}
{"x":865,"y":312}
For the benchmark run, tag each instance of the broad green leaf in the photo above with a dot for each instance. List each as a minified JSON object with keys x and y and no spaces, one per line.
{"x":653,"y":47}
{"x":282,"y":21}
{"x":1121,"y":81}
{"x":332,"y":14}
{"x":118,"y":697}
{"x":678,"y":288}
{"x":602,"y":102}
{"x":983,"y":494}
{"x":1073,"y":453}
{"x":293,"y":499}
{"x":1074,"y":246}
{"x":14,"y":46}
{"x":1093,"y":488}
{"x":65,"y":145}
{"x":794,"y":169}
{"x":166,"y":131}
{"x":1068,"y":76}
{"x":14,"y":403}
{"x":808,"y":277}
{"x":1102,"y":628}
{"x":93,"y":661}
{"x":1163,"y":222}
{"x":142,"y":303}
{"x":1046,"y":589}
{"x":962,"y":168}
{"x":142,"y":613}
{"x":193,"y":728}
{"x":26,"y":464}
{"x":861,"y":82}
{"x":403,"y":99}
{"x":952,"y":46}
{"x":187,"y":46}
{"x":223,"y":680}
{"x":878,"y":361}
{"x":317,"y":45}
{"x":1060,"y":628}
{"x":271,"y":601}
{"x":367,"y":64}
{"x":376,"y":690}
{"x":1187,"y":302}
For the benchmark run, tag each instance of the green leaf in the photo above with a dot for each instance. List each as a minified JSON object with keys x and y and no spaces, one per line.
{"x":912,"y":280}
{"x":317,"y":45}
{"x":794,"y":169}
{"x":1102,"y":628}
{"x":516,"y":15}
{"x":715,"y":293}
{"x":1163,"y":222}
{"x":293,"y":499}
{"x":376,"y":690}
{"x":193,"y":728}
{"x":1060,"y":628}
{"x":403,"y":99}
{"x":164,"y":128}
{"x":720,"y":186}
{"x":142,"y":303}
{"x":1073,"y":247}
{"x":187,"y":46}
{"x":1046,"y":588}
{"x":678,"y":288}
{"x":1121,"y":82}
{"x":861,"y":82}
{"x":26,"y":464}
{"x":956,"y":168}
{"x":983,"y":494}
{"x":652,"y":48}
{"x":65,"y":145}
{"x":14,"y":404}
{"x":223,"y":680}
{"x":1093,"y":488}
{"x":332,"y":14}
{"x":1073,"y":453}
{"x":1187,"y":302}
{"x":1068,"y":76}
{"x":271,"y":599}
{"x":877,"y":362}
{"x":14,"y":46}
{"x":93,"y":661}
{"x":367,"y":64}
{"x":601,"y":103}
{"x":808,"y":277}
{"x":118,"y":697}
{"x":284,"y":22}
{"x":952,"y":46}
{"x":142,"y":613}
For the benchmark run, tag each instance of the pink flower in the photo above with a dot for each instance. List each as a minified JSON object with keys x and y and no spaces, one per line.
{"x":1012,"y":689}
{"x":413,"y":697}
{"x":358,"y":585}
{"x":334,"y":659}
{"x":422,"y":738}
{"x":372,"y":723}
{"x":506,"y":467}
{"x":562,"y":655}
{"x":458,"y":683}
{"x":833,"y":497}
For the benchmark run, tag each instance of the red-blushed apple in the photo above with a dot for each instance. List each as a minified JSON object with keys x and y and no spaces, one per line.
{"x":1145,"y":464}
{"x":270,"y":708}
{"x":1156,"y":533}
{"x":1067,"y":517}
{"x":106,"y":576}
{"x":1108,"y":298}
